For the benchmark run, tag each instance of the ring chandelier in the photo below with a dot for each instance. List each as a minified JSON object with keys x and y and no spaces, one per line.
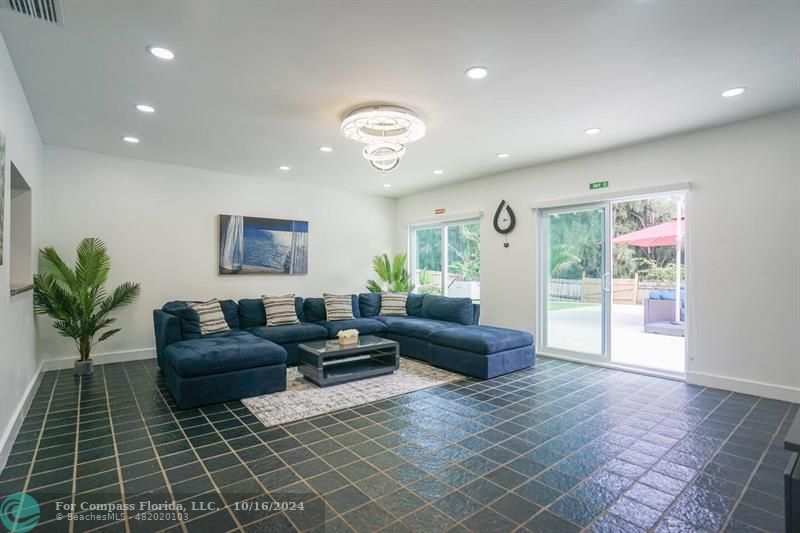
{"x":385,"y":130}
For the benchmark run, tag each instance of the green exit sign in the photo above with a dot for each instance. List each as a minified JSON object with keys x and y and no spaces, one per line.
{"x":598,"y":185}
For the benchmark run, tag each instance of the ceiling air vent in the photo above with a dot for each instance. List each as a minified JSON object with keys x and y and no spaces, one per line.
{"x":45,"y":10}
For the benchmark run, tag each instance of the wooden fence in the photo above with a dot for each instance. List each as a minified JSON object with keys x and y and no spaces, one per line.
{"x":589,"y":290}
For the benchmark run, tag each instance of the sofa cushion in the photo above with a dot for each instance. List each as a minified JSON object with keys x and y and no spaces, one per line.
{"x":481,"y":339}
{"x":190,"y":321}
{"x":291,"y":333}
{"x":414,"y":305}
{"x":457,"y":310}
{"x":365,"y":326}
{"x":369,"y":303}
{"x":420,"y":328}
{"x":252,"y":313}
{"x":314,"y":309}
{"x":224,"y":352}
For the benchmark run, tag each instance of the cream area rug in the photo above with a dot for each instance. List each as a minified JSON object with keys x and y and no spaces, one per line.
{"x":303,"y":399}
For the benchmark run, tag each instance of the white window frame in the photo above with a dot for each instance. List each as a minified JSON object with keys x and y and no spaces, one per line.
{"x":442,"y":225}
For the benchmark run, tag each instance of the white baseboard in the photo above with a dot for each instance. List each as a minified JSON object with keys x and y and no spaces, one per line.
{"x":63,"y":363}
{"x":745,"y":386}
{"x":614,"y":366}
{"x":12,"y":429}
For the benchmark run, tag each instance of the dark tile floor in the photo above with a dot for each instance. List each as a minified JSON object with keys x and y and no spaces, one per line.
{"x":557,"y":448}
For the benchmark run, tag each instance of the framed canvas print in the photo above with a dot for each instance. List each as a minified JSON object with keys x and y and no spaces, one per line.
{"x":250,"y":245}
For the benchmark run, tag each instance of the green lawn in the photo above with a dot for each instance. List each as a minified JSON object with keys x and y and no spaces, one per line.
{"x":558,"y":306}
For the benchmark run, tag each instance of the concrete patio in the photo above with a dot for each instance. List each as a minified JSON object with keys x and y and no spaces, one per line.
{"x":579,"y":329}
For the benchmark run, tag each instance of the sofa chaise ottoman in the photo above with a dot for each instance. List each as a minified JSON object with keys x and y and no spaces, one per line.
{"x":222,"y":367}
{"x":207,"y":369}
{"x":481,"y":351}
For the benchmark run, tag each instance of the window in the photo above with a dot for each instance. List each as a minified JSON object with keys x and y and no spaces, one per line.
{"x":446,"y":259}
{"x":20,"y":226}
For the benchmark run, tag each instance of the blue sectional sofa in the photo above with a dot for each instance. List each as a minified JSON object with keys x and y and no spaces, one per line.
{"x":251,"y":358}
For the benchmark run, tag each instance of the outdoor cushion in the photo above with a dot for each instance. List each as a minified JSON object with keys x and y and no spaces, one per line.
{"x":420,"y":328}
{"x":252,"y":314}
{"x":226,"y":352}
{"x":369,"y":304}
{"x":481,"y":339}
{"x":190,"y":321}
{"x":291,"y":333}
{"x":365,"y":326}
{"x":314,"y":309}
{"x":457,"y":310}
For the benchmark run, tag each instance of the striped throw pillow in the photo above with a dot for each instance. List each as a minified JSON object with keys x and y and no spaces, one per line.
{"x":393,"y":304}
{"x":338,"y":307}
{"x":280,"y":310}
{"x":212,"y":319}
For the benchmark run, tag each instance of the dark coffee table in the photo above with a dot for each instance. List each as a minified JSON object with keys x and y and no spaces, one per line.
{"x":327,"y":363}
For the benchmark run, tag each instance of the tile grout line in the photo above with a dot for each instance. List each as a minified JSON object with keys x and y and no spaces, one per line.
{"x":76,"y":452}
{"x":546,"y":507}
{"x":738,"y":500}
{"x":152,"y":444}
{"x":707,"y":462}
{"x":116,"y":452}
{"x":199,"y":460}
{"x":507,"y":395}
{"x":41,"y":433}
{"x":391,"y":431}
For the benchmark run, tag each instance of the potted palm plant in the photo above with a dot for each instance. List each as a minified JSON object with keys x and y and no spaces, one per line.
{"x":392,"y":273}
{"x":76,"y":299}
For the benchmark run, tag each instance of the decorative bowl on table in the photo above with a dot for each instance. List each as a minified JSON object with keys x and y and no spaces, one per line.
{"x":348,"y":337}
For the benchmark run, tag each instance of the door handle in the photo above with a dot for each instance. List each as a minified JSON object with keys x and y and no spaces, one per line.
{"x":606,"y":282}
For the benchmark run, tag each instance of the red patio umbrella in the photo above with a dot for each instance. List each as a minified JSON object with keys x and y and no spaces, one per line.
{"x":664,"y":234}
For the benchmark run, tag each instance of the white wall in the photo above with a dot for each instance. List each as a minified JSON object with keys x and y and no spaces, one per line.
{"x":18,"y":362}
{"x":160,"y":223}
{"x":744,"y":231}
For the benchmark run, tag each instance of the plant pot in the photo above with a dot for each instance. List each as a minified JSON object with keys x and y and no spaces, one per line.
{"x":83,"y":368}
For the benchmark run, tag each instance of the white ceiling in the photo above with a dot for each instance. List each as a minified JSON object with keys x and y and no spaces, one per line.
{"x":261,"y":84}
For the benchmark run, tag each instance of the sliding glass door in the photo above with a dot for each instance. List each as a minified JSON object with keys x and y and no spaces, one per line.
{"x":446,"y":259}
{"x":613,"y":281}
{"x":575,"y":280}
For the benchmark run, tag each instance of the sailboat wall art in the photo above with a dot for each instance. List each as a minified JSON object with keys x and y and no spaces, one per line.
{"x":250,"y":245}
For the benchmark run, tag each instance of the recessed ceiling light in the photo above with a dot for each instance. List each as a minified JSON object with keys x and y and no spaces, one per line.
{"x":284,"y":168}
{"x":438,"y":172}
{"x":161,"y":52}
{"x":476,"y":73}
{"x":592,"y":131}
{"x":325,"y":149}
{"x":129,"y":139}
{"x":144,"y":108}
{"x":502,"y":155}
{"x":735,"y":91}
{"x":387,"y":185}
